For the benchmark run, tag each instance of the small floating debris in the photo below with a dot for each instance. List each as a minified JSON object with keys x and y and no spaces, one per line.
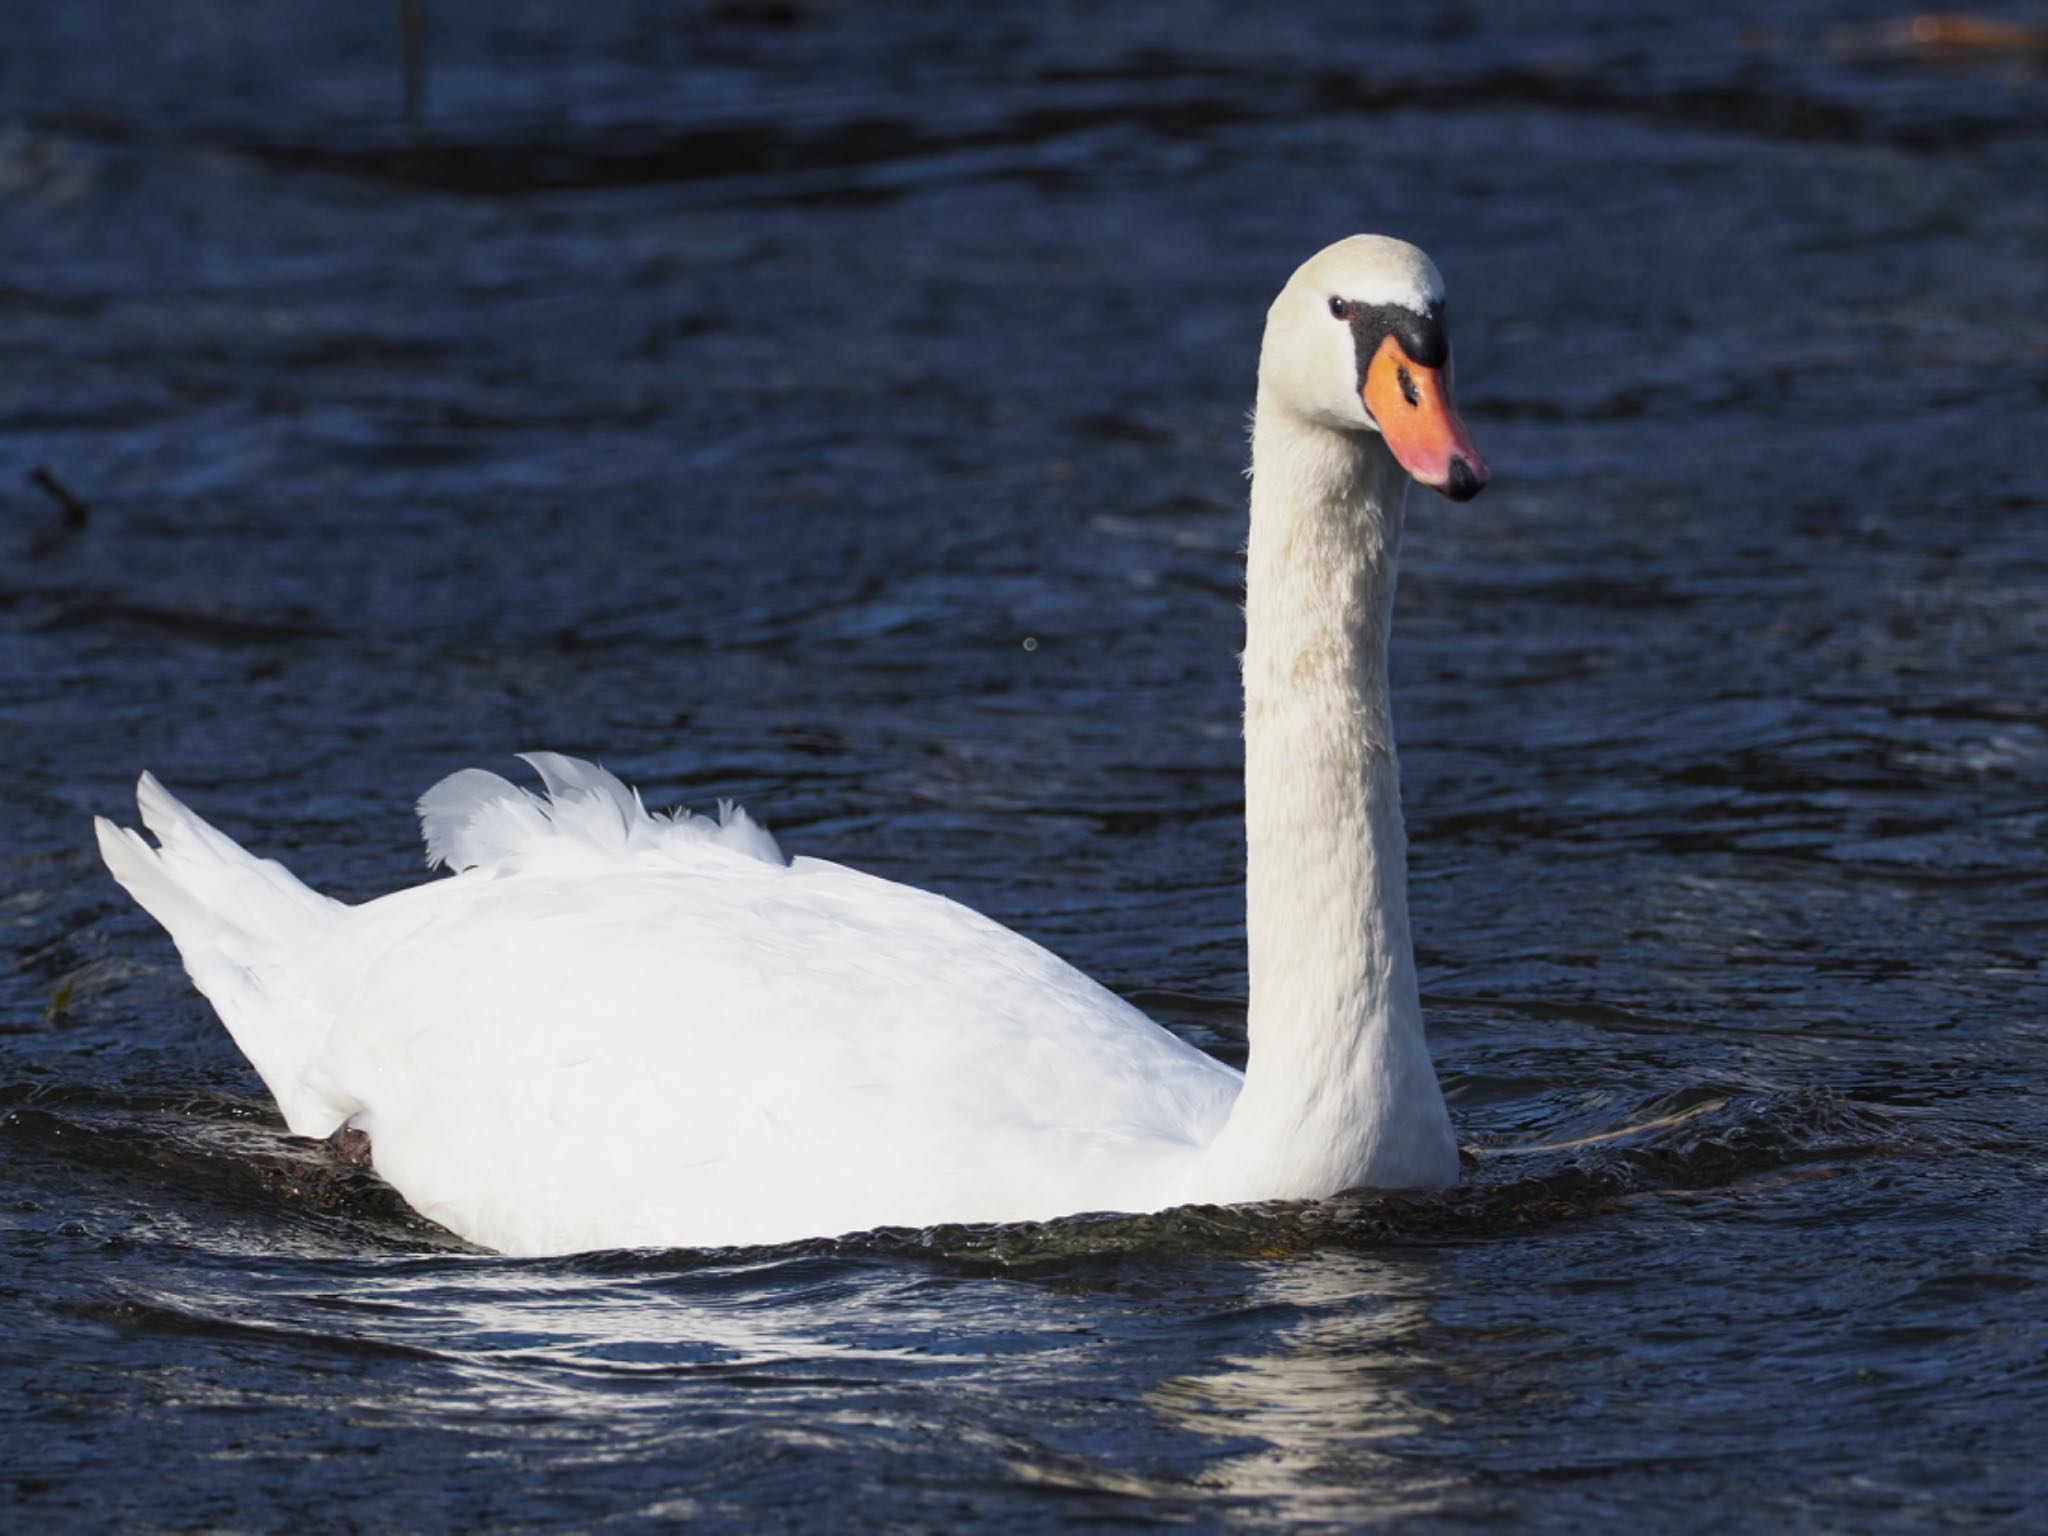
{"x":1939,"y":35}
{"x":76,"y":513}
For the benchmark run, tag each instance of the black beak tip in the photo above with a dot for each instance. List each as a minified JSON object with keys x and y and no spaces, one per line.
{"x":1464,"y":483}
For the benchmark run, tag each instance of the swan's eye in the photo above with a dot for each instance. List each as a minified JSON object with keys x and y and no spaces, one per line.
{"x":1340,"y":309}
{"x":1408,"y":392}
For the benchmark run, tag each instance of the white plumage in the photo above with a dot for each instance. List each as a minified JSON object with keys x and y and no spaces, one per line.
{"x":615,"y":1030}
{"x":611,"y":1029}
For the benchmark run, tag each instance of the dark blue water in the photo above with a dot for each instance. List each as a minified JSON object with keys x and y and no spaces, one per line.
{"x":731,"y":393}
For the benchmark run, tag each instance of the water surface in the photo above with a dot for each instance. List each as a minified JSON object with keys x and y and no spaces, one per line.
{"x":843,"y":411}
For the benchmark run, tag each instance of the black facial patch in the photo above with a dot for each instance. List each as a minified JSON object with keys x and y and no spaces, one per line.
{"x":1422,"y":336}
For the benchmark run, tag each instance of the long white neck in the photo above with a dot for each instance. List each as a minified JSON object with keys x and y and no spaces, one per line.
{"x":1339,"y":1091}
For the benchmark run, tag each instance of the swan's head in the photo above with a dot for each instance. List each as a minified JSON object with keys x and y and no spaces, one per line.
{"x":1356,"y":342}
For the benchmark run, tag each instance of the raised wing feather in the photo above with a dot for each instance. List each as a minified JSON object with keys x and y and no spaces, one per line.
{"x":475,"y":819}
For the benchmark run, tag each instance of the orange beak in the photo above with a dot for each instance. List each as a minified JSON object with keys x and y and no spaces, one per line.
{"x":1412,"y":405}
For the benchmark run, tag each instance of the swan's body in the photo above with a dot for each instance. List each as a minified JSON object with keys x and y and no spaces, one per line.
{"x":610,"y":1029}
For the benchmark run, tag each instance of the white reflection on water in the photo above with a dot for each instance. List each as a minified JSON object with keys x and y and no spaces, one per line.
{"x":1328,"y":1425}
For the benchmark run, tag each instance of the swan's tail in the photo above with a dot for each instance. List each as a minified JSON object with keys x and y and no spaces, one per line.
{"x":242,"y":925}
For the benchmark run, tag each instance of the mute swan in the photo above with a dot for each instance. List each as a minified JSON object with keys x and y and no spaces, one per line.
{"x":614,"y":1029}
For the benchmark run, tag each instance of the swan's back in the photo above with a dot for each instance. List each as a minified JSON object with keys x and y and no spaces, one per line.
{"x":615,"y":1029}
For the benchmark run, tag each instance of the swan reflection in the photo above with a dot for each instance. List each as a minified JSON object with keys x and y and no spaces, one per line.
{"x":1323,"y":1422}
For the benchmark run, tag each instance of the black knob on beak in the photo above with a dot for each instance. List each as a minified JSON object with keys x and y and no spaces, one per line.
{"x":1464,"y":483}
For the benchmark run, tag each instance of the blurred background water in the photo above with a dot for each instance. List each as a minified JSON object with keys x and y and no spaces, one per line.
{"x":840,"y":407}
